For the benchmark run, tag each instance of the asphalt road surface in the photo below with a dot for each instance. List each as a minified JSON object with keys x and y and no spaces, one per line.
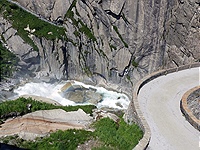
{"x":160,"y":103}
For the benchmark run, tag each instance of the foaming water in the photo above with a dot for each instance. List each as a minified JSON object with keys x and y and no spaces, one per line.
{"x":110,"y":99}
{"x":45,"y":90}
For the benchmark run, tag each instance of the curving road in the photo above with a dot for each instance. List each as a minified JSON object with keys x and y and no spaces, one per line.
{"x":159,"y":101}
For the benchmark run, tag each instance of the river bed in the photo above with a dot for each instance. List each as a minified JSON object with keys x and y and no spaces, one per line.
{"x":110,"y":99}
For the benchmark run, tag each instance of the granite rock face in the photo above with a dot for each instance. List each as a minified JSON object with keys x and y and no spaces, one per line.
{"x":29,"y":59}
{"x":183,"y":32}
{"x":52,"y":10}
{"x":118,"y":41}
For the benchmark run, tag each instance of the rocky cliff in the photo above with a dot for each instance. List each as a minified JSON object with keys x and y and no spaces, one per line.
{"x":119,"y":41}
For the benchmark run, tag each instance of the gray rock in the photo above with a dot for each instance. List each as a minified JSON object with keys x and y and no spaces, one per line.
{"x":4,"y":95}
{"x":79,"y":94}
{"x":49,"y":9}
{"x":99,"y":114}
{"x":118,"y":41}
{"x":47,"y":121}
{"x":29,"y":59}
{"x":183,"y":32}
{"x":76,"y":96}
{"x":92,"y":97}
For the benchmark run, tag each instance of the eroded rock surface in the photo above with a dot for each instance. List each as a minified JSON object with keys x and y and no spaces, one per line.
{"x":29,"y":59}
{"x":119,"y":41}
{"x":50,"y":9}
{"x":42,"y":122}
{"x":183,"y":32}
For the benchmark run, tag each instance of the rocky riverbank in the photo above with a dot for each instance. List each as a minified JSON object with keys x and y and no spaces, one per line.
{"x":27,"y":126}
{"x":43,"y":122}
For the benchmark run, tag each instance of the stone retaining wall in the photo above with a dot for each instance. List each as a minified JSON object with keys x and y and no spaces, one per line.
{"x":134,"y":114}
{"x":195,"y":122}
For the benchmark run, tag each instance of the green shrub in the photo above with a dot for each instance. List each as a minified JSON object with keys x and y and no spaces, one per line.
{"x":20,"y":105}
{"x":70,"y":13}
{"x":8,"y":62}
{"x":59,"y":140}
{"x":112,"y":136}
{"x":120,"y":36}
{"x":135,"y":64}
{"x":118,"y":136}
{"x":83,"y":29}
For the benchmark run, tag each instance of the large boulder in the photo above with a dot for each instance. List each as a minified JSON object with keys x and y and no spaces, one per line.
{"x":43,"y":122}
{"x":80,"y":94}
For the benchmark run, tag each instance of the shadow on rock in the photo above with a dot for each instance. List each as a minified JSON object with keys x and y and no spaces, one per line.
{"x":9,"y":147}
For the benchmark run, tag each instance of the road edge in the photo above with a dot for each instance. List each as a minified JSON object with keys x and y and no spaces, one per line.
{"x":134,"y":113}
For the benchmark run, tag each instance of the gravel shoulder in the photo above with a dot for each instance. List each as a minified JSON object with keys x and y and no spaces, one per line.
{"x":160,"y":103}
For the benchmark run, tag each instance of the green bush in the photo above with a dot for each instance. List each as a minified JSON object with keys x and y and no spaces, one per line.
{"x":20,"y":105}
{"x":59,"y":140}
{"x":135,"y":64}
{"x":83,"y":29}
{"x":69,"y":13}
{"x":118,"y":136}
{"x":120,"y":36}
{"x":8,"y":62}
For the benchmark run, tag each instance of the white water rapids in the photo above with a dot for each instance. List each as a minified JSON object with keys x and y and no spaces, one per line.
{"x":110,"y":99}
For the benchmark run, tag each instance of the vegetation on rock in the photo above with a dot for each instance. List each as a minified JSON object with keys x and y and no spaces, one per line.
{"x":120,"y":36}
{"x":135,"y":64}
{"x":117,"y":135}
{"x":8,"y":62}
{"x":112,"y":47}
{"x":111,"y":135}
{"x":82,"y":28}
{"x":20,"y":19}
{"x":60,"y":140}
{"x":20,"y":106}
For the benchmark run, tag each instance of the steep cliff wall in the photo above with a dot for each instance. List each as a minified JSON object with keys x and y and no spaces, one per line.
{"x":46,"y":61}
{"x":183,"y":33}
{"x":120,"y":41}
